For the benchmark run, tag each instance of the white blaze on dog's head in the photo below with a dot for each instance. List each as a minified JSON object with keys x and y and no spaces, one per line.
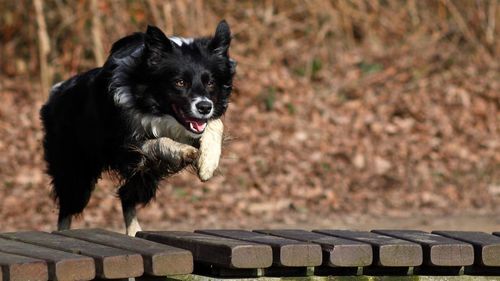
{"x":179,"y":41}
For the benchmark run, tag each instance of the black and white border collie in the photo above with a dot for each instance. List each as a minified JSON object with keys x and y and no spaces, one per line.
{"x":153,"y":109}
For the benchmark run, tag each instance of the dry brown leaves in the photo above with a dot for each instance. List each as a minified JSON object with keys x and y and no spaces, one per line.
{"x":321,"y":125}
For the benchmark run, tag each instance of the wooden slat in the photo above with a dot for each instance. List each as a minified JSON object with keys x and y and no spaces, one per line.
{"x":388,"y":251}
{"x":338,"y":252}
{"x":437,"y":250}
{"x":19,"y":268}
{"x":62,"y":265}
{"x":286,"y":252}
{"x":159,"y":259}
{"x":220,"y":251}
{"x":486,"y":246}
{"x":110,"y":262}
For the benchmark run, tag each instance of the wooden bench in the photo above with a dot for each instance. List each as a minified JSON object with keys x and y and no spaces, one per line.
{"x":86,"y":254}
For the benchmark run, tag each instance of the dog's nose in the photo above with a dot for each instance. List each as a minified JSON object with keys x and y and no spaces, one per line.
{"x":204,"y":107}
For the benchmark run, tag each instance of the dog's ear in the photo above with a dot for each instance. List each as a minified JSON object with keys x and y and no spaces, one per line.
{"x":219,"y":44}
{"x":156,"y":41}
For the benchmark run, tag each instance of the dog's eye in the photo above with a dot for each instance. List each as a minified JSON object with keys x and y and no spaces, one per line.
{"x":211,"y":84}
{"x":180,"y":83}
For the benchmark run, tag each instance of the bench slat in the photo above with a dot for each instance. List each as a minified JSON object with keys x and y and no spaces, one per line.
{"x":16,"y":267}
{"x":339,"y":252}
{"x":220,"y":251}
{"x":61,"y":265}
{"x":110,"y":262}
{"x":159,"y":259}
{"x":286,"y":252}
{"x":437,"y":250}
{"x":388,"y":251}
{"x":486,"y":246}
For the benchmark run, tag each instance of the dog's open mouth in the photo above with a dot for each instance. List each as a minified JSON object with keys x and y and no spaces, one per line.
{"x":194,"y":125}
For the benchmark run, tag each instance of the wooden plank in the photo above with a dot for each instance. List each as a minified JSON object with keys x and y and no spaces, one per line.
{"x":437,"y":250}
{"x":286,"y":252}
{"x":110,"y":262}
{"x":486,"y":246}
{"x":61,"y":265}
{"x":159,"y":259}
{"x":388,"y":251}
{"x":206,"y":269}
{"x":20,"y":268}
{"x":215,"y":250}
{"x":338,"y":252}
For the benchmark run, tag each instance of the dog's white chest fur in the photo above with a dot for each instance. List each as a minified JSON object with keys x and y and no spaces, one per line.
{"x":167,"y":126}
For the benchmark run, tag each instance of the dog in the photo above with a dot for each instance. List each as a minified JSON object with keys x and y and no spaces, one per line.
{"x":153,"y":109}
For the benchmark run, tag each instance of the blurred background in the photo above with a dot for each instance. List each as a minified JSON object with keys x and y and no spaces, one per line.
{"x":352,"y":114}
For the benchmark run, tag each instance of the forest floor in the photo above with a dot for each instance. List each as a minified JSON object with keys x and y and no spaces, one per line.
{"x":406,"y":138}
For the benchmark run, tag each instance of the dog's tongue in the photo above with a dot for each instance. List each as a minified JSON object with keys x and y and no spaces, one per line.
{"x":197,"y":126}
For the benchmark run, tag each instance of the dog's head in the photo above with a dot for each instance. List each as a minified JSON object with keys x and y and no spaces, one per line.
{"x":189,"y":79}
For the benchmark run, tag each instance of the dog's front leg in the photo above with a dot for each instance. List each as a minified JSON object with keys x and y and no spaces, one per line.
{"x":130,"y":217}
{"x":64,"y":221}
{"x":169,"y":152}
{"x":161,"y":156}
{"x":210,"y":149}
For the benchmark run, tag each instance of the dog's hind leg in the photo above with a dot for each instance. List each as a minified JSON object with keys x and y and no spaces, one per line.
{"x":72,"y":183}
{"x":72,"y":192}
{"x":72,"y":199}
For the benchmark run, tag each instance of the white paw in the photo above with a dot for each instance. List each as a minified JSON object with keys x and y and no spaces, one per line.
{"x":133,"y":228}
{"x":207,"y":167}
{"x":210,"y":150}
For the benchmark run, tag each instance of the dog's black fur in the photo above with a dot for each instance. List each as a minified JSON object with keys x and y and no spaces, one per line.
{"x":94,"y":121}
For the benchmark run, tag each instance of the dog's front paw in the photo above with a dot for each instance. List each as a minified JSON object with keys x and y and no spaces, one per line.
{"x":188,"y":154}
{"x":210,"y":150}
{"x":206,"y":169}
